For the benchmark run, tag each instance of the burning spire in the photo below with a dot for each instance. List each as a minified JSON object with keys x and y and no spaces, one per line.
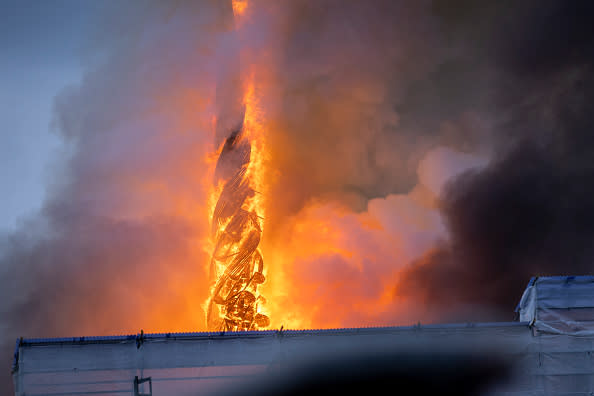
{"x":237,"y":266}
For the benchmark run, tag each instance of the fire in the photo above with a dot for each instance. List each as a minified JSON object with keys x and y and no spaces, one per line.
{"x":239,"y":7}
{"x":326,"y":265}
{"x":237,"y":214}
{"x":237,"y":263}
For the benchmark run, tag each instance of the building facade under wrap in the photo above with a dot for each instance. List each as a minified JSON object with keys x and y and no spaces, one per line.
{"x":551,"y":350}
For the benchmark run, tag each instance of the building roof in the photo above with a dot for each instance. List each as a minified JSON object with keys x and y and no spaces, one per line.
{"x":188,"y":336}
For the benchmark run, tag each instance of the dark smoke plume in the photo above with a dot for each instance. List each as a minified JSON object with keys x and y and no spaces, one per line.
{"x":531,"y":210}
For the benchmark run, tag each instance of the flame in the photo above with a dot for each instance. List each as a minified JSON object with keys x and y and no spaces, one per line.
{"x":253,"y":129}
{"x":239,"y":7}
{"x":236,"y":207}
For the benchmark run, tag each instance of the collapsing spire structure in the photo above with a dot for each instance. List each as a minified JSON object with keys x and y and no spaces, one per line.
{"x":236,"y":261}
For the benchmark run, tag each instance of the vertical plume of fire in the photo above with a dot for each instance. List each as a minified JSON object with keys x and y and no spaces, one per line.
{"x":236,"y":264}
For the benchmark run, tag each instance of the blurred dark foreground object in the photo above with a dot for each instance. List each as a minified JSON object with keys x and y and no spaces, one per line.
{"x":370,"y":372}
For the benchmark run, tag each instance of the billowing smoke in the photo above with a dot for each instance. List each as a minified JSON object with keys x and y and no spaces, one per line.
{"x":424,"y":159}
{"x":530,"y":211}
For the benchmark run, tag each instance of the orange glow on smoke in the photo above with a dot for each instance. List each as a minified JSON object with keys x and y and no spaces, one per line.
{"x":254,"y":132}
{"x":318,"y":277}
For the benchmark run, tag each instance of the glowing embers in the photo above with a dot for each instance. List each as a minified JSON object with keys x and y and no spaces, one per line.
{"x":236,"y":262}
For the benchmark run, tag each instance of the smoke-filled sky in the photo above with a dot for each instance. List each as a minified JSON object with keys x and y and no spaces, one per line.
{"x":40,"y":44}
{"x":423,"y":159}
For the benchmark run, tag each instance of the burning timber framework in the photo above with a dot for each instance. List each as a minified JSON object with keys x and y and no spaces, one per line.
{"x":236,"y":261}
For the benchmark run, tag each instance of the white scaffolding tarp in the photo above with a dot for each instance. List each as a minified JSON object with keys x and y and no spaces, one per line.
{"x":559,"y":305}
{"x":195,"y":364}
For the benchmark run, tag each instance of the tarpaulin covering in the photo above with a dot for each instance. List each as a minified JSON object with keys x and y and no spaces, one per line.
{"x":200,"y":363}
{"x":559,"y":305}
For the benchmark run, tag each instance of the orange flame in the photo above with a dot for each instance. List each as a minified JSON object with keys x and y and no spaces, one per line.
{"x":237,"y":263}
{"x":239,"y":7}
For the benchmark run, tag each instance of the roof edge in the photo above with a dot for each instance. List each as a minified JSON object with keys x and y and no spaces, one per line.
{"x":140,"y":337}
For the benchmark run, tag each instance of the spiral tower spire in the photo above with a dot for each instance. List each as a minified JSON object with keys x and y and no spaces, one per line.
{"x":236,"y":261}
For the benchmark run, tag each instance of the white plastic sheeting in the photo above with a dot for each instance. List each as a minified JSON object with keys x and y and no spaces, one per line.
{"x":200,"y":363}
{"x":559,"y":305}
{"x":194,"y":364}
